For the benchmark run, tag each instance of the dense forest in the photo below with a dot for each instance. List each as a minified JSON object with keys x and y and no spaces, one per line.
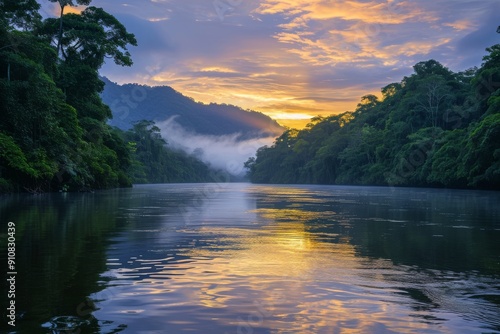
{"x":435,"y":128}
{"x":154,"y":162}
{"x":53,"y":124}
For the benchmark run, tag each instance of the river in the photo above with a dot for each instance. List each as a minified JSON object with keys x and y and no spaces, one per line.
{"x":244,"y":258}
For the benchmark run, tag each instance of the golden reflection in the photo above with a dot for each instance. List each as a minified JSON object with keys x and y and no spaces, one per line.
{"x":278,"y":276}
{"x":267,"y":276}
{"x":283,"y":277}
{"x":271,"y":265}
{"x":276,"y":270}
{"x":289,"y":214}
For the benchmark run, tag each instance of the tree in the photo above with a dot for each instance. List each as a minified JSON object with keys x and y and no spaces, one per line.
{"x":487,"y":81}
{"x":152,"y":161}
{"x":434,"y":96}
{"x":367,"y":102}
{"x":435,"y":128}
{"x":21,"y":14}
{"x":432,"y":67}
{"x":52,"y":120}
{"x":447,"y":160}
{"x":481,"y":163}
{"x":91,"y":37}
{"x":13,"y":162}
{"x":63,"y":4}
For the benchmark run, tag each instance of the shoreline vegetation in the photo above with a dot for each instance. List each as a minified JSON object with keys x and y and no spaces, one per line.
{"x":54,"y":134}
{"x":435,"y":128}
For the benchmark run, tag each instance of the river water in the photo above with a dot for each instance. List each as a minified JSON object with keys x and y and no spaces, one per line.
{"x":243,"y":258}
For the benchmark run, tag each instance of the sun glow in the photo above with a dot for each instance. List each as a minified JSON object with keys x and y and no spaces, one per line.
{"x":289,"y":116}
{"x":56,"y":9}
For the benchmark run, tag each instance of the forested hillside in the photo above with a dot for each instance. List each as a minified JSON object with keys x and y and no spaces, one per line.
{"x":132,"y":102}
{"x":154,"y":162}
{"x":53,"y":131}
{"x":434,"y":128}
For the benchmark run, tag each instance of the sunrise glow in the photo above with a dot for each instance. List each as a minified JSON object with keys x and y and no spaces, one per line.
{"x":294,"y":59}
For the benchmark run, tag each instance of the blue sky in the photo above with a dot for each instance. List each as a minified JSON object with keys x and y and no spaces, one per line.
{"x":294,"y":59}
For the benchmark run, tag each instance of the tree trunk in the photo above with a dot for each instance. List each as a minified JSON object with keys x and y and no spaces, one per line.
{"x":60,"y":32}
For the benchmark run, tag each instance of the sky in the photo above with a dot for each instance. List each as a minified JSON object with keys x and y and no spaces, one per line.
{"x":295,"y":59}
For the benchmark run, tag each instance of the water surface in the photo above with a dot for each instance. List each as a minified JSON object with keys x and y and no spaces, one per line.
{"x":242,"y":258}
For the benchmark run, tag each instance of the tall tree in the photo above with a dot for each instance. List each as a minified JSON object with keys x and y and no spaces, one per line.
{"x":87,"y":40}
{"x":91,"y":37}
{"x":62,"y":5}
{"x":53,"y":131}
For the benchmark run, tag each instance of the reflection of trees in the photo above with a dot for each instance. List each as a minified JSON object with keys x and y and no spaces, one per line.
{"x":427,"y":246}
{"x":427,"y":238}
{"x":61,"y":245}
{"x":420,"y":230}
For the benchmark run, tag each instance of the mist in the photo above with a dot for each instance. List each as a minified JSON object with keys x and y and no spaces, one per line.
{"x":227,"y":152}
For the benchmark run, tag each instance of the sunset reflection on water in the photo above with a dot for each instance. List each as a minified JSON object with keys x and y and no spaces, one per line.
{"x":286,"y":263}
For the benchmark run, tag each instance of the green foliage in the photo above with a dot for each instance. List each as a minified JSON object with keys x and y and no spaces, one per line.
{"x":21,"y":14}
{"x":64,"y":3}
{"x":88,"y":38}
{"x":13,"y":159}
{"x":434,"y":128}
{"x":53,"y":131}
{"x":152,"y":161}
{"x":482,"y":153}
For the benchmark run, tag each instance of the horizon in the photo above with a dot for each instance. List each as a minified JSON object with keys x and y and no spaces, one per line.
{"x":294,"y":60}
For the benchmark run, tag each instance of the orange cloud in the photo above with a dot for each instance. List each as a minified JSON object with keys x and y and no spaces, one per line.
{"x":359,"y":35}
{"x":301,"y":57}
{"x":390,"y":12}
{"x":460,"y":25}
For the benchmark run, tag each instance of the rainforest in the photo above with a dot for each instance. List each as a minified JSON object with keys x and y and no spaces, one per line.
{"x":434,"y":128}
{"x":54,"y":134}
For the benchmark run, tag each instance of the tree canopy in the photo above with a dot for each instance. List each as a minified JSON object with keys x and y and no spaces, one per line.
{"x":53,"y":123}
{"x":435,"y":128}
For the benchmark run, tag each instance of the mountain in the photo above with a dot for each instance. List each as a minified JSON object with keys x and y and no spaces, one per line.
{"x":132,"y":102}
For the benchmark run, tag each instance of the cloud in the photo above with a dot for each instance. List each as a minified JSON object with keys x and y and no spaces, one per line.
{"x":380,"y":12}
{"x":322,"y":99}
{"x":460,"y":25}
{"x":275,"y":53}
{"x":290,"y":107}
{"x":227,"y":153}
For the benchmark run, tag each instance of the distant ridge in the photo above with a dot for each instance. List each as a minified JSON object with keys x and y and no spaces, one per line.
{"x":133,"y":102}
